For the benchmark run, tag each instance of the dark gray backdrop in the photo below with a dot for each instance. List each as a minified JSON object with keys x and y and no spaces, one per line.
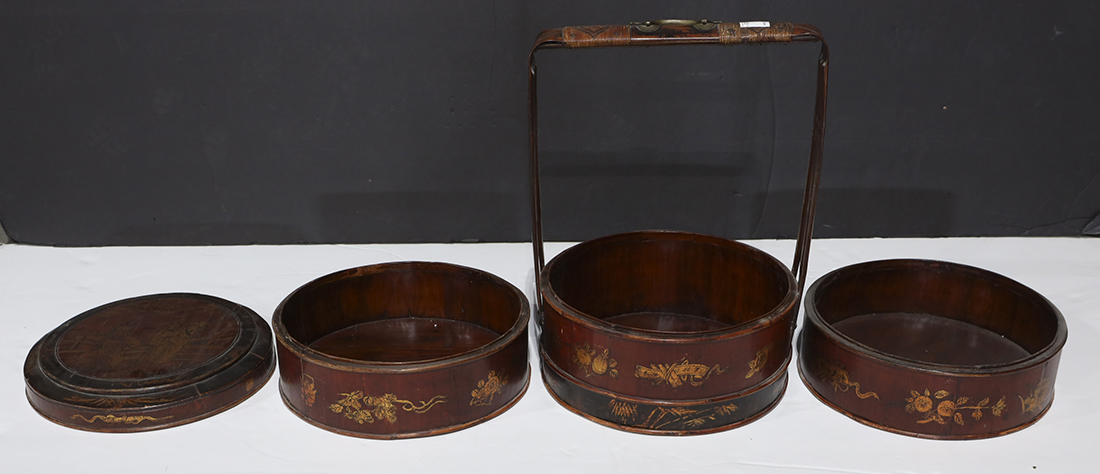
{"x":267,"y":121}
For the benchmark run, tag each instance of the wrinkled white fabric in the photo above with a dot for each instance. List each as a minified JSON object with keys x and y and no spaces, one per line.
{"x":42,"y":287}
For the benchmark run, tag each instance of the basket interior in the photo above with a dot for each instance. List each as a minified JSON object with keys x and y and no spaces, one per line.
{"x":937,"y":313}
{"x":669,"y":282}
{"x":401,"y":312}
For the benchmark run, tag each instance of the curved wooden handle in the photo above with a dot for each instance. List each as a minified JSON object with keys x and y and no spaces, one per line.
{"x":667,"y":32}
{"x":670,"y":32}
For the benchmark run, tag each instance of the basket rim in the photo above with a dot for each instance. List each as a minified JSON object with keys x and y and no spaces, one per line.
{"x":789,"y":302}
{"x":1050,"y":350}
{"x":303,"y":351}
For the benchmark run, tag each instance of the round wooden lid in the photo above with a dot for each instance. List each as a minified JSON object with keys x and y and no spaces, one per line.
{"x":149,"y":362}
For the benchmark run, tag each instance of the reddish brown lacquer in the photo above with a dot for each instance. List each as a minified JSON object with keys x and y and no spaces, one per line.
{"x":664,"y":332}
{"x":401,"y":350}
{"x":149,"y":362}
{"x":931,"y":349}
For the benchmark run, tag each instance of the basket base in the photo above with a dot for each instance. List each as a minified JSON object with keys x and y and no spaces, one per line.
{"x":932,"y":339}
{"x":404,"y":340}
{"x":661,"y":417}
{"x":667,"y":322}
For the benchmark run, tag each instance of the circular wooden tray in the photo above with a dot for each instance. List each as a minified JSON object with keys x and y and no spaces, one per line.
{"x":402,"y":350}
{"x":149,"y":362}
{"x":931,"y":349}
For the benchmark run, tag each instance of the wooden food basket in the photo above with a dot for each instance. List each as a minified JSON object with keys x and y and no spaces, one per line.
{"x":402,"y":350}
{"x":931,"y":349}
{"x":664,"y":332}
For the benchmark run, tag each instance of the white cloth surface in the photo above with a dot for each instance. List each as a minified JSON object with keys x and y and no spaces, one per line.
{"x":42,"y":287}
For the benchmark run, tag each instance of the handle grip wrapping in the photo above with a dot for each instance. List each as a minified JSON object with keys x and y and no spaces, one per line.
{"x":668,"y":32}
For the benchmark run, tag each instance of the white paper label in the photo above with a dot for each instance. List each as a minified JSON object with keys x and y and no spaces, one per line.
{"x":756,"y":24}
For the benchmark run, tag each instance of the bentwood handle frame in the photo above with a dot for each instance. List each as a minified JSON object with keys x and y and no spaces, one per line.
{"x":686,"y":32}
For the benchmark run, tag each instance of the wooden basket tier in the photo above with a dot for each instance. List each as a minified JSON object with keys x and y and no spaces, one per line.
{"x":650,"y":322}
{"x":402,"y":350}
{"x":931,"y":349}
